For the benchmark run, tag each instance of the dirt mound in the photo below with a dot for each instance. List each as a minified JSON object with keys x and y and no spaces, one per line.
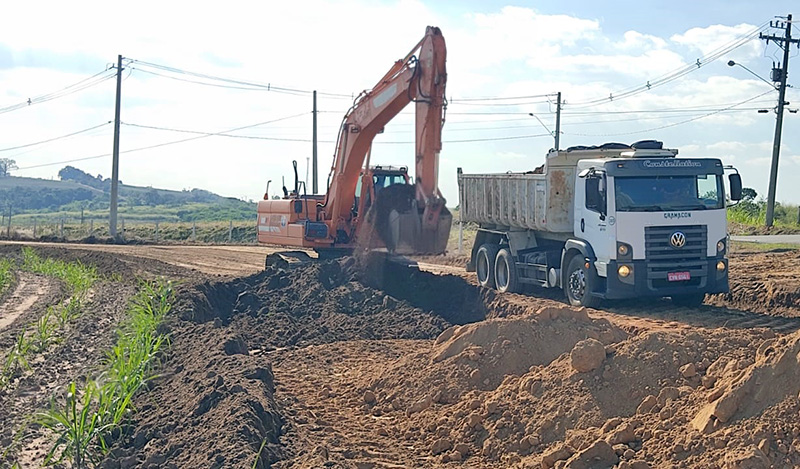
{"x":764,"y":282}
{"x":220,"y":368}
{"x":313,"y":304}
{"x":506,"y":392}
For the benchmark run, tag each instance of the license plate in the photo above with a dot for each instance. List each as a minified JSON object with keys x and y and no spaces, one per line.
{"x":678,"y":276}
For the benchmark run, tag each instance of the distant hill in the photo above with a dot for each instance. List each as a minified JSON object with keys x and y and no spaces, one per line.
{"x":79,"y":191}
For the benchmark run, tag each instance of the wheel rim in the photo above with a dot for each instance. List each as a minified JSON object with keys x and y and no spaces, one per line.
{"x":502,"y":274}
{"x":483,"y":268}
{"x":577,"y":284}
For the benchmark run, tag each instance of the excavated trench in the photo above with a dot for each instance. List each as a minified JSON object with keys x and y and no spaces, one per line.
{"x":220,"y":367}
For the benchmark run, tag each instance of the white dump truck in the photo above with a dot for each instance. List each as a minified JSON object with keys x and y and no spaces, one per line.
{"x":610,"y":221}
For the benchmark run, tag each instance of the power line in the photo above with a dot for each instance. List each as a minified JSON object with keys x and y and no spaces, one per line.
{"x":677,"y":73}
{"x":161,"y":144}
{"x":501,"y":98}
{"x":55,"y":138}
{"x":221,"y":134}
{"x":263,"y":86}
{"x":674,"y":123}
{"x":93,"y":80}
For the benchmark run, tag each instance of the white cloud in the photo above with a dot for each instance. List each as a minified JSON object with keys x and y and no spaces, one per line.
{"x":715,"y":38}
{"x":636,"y":40}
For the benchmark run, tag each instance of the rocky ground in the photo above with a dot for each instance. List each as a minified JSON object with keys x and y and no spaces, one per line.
{"x":369,"y":365}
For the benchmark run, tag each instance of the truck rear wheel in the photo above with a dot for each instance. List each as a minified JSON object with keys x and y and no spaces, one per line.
{"x":484,"y":264}
{"x":579,"y":284}
{"x":505,"y":272}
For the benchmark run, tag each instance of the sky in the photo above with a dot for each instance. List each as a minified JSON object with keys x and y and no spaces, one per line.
{"x":196,"y":68}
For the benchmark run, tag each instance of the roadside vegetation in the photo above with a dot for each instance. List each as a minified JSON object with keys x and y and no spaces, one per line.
{"x":87,"y":416}
{"x":750,"y":214}
{"x":47,"y":330}
{"x":6,"y":274}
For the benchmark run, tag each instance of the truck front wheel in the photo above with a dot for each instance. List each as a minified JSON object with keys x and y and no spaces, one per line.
{"x":484,"y":264}
{"x":579,"y":284}
{"x":505,"y":272}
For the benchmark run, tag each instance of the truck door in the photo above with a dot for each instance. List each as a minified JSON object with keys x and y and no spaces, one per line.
{"x":592,"y":222}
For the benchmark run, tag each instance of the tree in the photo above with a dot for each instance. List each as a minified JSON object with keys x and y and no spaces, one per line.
{"x":748,"y":194}
{"x":6,"y":166}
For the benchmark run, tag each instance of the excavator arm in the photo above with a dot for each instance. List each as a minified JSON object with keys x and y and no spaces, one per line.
{"x":419,"y":77}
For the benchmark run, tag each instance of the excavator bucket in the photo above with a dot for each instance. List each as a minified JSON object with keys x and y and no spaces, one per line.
{"x":402,"y":226}
{"x":407,"y":235}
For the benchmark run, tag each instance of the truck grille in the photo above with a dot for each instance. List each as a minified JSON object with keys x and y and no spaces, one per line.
{"x":663,"y":258}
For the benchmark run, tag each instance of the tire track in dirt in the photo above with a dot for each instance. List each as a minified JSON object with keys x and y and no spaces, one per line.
{"x":28,"y":290}
{"x":651,"y":313}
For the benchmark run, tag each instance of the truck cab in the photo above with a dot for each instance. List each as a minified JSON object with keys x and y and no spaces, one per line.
{"x":608,"y":222}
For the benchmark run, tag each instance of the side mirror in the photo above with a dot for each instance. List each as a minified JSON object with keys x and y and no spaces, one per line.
{"x":735,"y":183}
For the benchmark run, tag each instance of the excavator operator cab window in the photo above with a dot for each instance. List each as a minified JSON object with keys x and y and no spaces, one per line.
{"x":381,"y":181}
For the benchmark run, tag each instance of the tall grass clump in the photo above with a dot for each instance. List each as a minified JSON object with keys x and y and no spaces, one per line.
{"x":78,"y":277}
{"x":16,"y":359}
{"x":86,"y":418}
{"x":6,"y":274}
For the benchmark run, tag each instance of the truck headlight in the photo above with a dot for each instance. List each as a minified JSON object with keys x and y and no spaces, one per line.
{"x":720,"y":266}
{"x":624,"y":271}
{"x":624,"y":251}
{"x":720,"y":245}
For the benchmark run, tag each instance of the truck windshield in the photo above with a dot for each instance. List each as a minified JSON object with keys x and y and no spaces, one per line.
{"x":664,"y":193}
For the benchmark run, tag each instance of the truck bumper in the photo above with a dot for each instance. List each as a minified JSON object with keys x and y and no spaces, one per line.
{"x":642,"y":282}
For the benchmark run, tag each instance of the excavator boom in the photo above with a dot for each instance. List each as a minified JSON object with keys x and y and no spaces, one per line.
{"x":419,"y":77}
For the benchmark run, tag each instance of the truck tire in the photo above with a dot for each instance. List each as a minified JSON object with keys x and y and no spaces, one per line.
{"x":579,"y":284}
{"x":690,"y":301}
{"x":505,"y":272}
{"x":484,"y":264}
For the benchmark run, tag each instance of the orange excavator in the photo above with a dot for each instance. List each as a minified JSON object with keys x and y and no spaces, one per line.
{"x":375,"y":207}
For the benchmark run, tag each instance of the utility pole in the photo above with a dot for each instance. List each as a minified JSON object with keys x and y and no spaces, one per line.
{"x":779,"y":74}
{"x":112,"y":219}
{"x":558,"y":120}
{"x":314,"y":148}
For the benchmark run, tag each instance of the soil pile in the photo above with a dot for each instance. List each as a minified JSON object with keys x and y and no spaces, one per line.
{"x":218,"y":391}
{"x":507,"y":393}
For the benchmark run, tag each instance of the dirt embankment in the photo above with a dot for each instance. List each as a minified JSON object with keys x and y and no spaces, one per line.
{"x":337,"y":365}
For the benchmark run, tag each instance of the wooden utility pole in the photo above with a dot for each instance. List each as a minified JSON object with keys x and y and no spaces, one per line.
{"x":112,"y":228}
{"x":314,"y":188}
{"x":558,"y":120}
{"x":779,"y":75}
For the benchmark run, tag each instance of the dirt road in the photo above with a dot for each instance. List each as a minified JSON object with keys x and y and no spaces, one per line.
{"x":341,"y":364}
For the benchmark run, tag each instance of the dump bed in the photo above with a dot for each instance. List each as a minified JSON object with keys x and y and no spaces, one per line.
{"x":527,"y":201}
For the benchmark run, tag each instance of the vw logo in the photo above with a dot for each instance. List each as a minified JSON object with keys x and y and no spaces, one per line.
{"x":678,"y":239}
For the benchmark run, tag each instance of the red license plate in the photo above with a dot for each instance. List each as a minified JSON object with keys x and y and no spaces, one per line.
{"x":678,"y":276}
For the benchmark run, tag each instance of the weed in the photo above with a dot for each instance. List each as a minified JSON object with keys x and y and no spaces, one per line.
{"x":84,"y":424}
{"x":44,"y":332}
{"x":6,"y":274}
{"x":78,"y":427}
{"x":258,"y":455}
{"x":68,"y":311}
{"x":78,"y":277}
{"x":16,"y":359}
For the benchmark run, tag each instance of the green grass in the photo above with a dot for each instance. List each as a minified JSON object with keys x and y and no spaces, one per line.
{"x":6,"y":274}
{"x":738,"y":246}
{"x":38,"y":336}
{"x":78,"y":277}
{"x":84,"y":420}
{"x":16,"y":360}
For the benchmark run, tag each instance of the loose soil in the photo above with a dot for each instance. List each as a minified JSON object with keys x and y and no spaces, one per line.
{"x":365,"y":364}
